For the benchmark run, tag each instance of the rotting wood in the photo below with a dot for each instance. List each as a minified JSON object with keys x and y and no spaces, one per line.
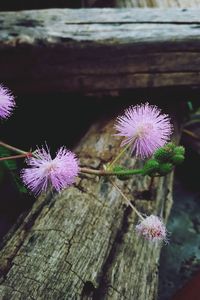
{"x":81,"y":244}
{"x":99,"y":51}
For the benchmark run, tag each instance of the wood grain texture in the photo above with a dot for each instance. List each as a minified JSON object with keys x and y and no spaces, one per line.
{"x":157,"y":3}
{"x":99,"y":51}
{"x":81,"y":244}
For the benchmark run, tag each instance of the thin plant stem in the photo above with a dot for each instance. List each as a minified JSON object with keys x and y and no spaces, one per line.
{"x":110,"y":173}
{"x":14,"y":148}
{"x":192,"y":134}
{"x":15,"y":156}
{"x":118,"y":156}
{"x":127,"y":200}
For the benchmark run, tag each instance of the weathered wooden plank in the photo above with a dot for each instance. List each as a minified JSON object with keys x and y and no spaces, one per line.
{"x":81,"y":244}
{"x":95,"y":16}
{"x":137,"y":34}
{"x":97,"y":84}
{"x":94,"y":51}
{"x":157,"y":3}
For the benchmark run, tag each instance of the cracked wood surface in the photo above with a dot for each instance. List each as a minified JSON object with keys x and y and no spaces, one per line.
{"x":99,"y":51}
{"x":81,"y":244}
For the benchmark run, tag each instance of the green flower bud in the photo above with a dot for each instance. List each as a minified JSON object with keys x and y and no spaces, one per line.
{"x":177,"y":159}
{"x":151,"y":167}
{"x":170,"y":146}
{"x":165,"y":168}
{"x":163,"y":154}
{"x":180,"y":150}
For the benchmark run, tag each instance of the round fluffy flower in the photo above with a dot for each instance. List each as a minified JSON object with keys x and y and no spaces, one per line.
{"x":145,"y":128}
{"x":7,"y":102}
{"x":152,"y":228}
{"x":59,"y":172}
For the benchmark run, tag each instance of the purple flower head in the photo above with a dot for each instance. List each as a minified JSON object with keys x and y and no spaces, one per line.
{"x":152,"y":228}
{"x":145,"y":128}
{"x":7,"y":102}
{"x":59,"y":172}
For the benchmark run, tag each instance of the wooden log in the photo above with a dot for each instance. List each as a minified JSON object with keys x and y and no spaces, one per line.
{"x":99,"y":51}
{"x":82,"y":244}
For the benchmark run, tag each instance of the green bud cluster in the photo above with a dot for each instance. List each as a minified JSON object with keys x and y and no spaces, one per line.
{"x":151,"y":167}
{"x":164,"y":159}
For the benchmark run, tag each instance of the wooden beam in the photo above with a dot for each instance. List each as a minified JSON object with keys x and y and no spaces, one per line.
{"x":99,"y":51}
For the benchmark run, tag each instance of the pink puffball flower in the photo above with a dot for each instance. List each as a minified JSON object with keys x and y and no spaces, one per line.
{"x":144,"y":128}
{"x":7,"y":102}
{"x":152,"y":228}
{"x":44,"y":171}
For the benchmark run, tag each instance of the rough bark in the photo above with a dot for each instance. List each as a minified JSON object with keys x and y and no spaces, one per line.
{"x":81,"y":244}
{"x":95,"y":51}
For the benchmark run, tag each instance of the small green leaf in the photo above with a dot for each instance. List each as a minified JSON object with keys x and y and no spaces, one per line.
{"x":190,"y":105}
{"x":10,"y":166}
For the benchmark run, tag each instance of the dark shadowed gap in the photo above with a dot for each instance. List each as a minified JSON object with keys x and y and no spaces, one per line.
{"x":38,"y":4}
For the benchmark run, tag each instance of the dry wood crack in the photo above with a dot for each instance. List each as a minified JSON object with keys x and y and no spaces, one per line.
{"x":102,"y":289}
{"x":6,"y":262}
